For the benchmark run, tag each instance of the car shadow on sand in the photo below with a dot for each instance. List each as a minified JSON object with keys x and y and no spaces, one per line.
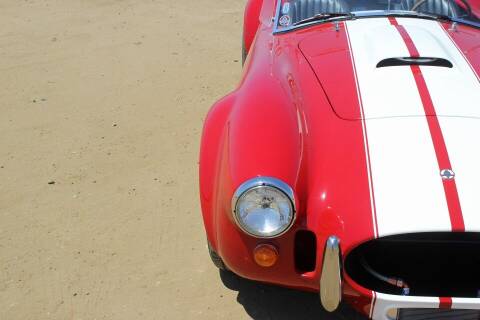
{"x":262,"y":301}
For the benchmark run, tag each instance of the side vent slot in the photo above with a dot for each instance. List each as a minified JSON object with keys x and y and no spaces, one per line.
{"x":305,"y":251}
{"x":415,"y":61}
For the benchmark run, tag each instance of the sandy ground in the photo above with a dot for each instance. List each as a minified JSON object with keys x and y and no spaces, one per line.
{"x":102,"y":104}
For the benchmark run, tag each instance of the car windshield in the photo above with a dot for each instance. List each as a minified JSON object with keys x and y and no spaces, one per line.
{"x":294,"y":13}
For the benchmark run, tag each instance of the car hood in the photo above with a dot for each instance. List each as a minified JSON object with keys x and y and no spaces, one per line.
{"x":414,"y":155}
{"x":392,"y":90}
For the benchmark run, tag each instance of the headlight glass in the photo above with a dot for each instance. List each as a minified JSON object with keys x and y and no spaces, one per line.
{"x":263,"y":209}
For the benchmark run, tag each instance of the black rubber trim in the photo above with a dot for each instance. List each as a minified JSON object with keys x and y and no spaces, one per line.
{"x":217,"y":261}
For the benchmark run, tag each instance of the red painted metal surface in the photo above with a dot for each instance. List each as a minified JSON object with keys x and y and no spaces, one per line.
{"x":251,"y":21}
{"x":279,"y":122}
{"x":466,"y":38}
{"x":445,"y":303}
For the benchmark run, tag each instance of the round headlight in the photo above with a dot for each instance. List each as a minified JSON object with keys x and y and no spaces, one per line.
{"x":264,"y":207}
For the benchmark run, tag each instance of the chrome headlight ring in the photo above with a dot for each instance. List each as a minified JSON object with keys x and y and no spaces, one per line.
{"x":268,"y":202}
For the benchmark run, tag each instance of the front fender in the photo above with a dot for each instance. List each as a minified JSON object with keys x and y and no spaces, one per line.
{"x":262,"y":139}
{"x":213,"y":137}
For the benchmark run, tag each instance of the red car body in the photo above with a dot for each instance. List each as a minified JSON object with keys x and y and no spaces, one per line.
{"x":297,"y":115}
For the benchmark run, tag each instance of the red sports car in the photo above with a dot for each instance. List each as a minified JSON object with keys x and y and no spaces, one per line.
{"x":347,"y":161}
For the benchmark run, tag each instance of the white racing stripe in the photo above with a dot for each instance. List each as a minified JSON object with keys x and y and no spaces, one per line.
{"x":409,"y":194}
{"x":365,"y":143}
{"x":373,"y":40}
{"x":385,"y":302}
{"x":455,"y":93}
{"x":466,"y":303}
{"x":462,"y":137}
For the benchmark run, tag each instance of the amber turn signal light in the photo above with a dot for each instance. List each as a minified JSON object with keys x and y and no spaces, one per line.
{"x":265,"y":255}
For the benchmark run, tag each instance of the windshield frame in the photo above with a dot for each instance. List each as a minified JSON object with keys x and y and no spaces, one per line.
{"x":362,"y":15}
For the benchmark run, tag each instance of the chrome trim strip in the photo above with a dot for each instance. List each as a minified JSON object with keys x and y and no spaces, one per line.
{"x":331,"y":278}
{"x":259,"y":182}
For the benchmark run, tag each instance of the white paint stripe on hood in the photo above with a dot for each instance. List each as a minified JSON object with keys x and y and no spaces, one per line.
{"x":409,"y":194}
{"x":365,"y":142}
{"x":460,"y":89}
{"x":454,"y":91}
{"x":373,"y":40}
{"x":462,"y":137}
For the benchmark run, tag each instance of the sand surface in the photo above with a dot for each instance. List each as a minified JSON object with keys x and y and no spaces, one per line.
{"x":102,"y":104}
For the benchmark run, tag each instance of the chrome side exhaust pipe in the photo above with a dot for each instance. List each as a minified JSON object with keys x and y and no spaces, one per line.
{"x":331,"y":278}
